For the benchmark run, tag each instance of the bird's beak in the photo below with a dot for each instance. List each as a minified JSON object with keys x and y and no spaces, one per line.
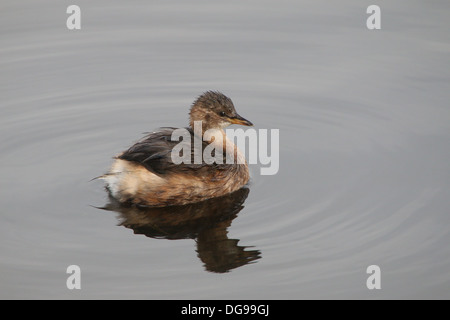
{"x":239,"y":120}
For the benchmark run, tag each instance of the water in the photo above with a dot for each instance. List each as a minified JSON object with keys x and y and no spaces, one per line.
{"x":364,"y":126}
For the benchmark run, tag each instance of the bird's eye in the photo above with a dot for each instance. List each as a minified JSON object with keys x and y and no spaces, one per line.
{"x":222,"y":114}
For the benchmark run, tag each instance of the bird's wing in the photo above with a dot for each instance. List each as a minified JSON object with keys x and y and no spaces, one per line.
{"x":154,"y":153}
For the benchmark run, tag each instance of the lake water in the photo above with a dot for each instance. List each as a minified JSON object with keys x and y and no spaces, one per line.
{"x":364,"y":176}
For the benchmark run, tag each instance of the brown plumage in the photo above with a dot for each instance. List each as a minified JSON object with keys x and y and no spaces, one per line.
{"x":146,"y":175}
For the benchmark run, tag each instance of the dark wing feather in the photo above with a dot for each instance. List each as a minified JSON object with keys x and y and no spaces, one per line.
{"x":154,"y":153}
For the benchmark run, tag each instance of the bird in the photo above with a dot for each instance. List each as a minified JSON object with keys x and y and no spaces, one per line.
{"x":146,"y":175}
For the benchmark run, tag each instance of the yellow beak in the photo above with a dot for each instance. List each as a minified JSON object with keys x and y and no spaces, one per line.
{"x":239,"y":120}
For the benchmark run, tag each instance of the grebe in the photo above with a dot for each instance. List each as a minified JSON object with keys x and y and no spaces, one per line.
{"x":146,"y":175}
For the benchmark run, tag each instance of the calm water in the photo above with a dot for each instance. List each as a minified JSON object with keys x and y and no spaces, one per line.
{"x":364,"y":122}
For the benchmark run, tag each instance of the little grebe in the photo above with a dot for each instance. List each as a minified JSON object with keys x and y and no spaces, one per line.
{"x":146,"y":175}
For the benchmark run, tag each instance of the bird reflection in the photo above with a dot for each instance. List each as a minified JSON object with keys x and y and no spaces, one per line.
{"x":206,"y":222}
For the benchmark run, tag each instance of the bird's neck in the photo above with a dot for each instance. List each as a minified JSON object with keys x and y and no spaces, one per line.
{"x":218,"y":139}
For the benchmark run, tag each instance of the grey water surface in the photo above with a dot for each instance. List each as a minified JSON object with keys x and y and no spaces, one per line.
{"x":364,"y":150}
